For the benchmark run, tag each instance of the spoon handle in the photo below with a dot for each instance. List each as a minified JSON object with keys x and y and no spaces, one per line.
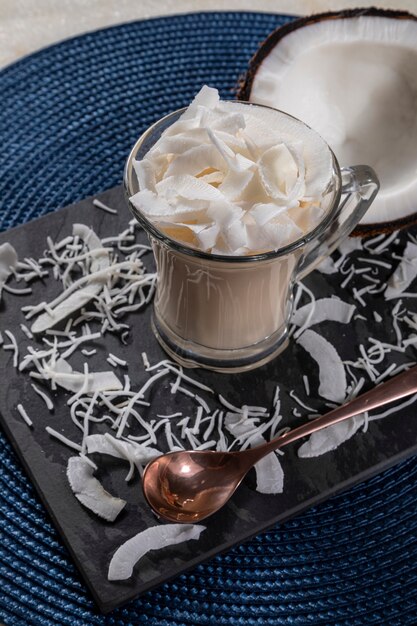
{"x":398,"y":387}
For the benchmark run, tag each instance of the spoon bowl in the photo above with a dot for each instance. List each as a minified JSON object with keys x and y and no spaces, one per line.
{"x":192,"y":485}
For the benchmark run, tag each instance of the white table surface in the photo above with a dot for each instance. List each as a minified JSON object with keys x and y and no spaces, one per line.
{"x":27,"y":25}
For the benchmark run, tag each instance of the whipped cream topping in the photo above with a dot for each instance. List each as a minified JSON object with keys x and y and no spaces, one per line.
{"x":234,"y":179}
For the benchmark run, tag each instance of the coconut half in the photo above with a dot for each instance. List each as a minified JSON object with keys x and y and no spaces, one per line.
{"x":351,"y":76}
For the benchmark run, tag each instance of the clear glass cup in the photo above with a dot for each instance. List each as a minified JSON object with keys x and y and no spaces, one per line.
{"x":231,"y":313}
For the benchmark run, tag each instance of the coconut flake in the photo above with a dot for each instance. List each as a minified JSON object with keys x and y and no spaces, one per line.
{"x":325,"y":310}
{"x":263,"y":213}
{"x":89,"y":491}
{"x":331,"y":370}
{"x":207,"y":97}
{"x":235,"y":183}
{"x":187,"y":187}
{"x":269,"y":475}
{"x":195,"y":161}
{"x":154,"y":538}
{"x":208,"y":236}
{"x":151,"y":205}
{"x":281,"y":171}
{"x":63,"y":374}
{"x":131,"y":451}
{"x":8,"y":263}
{"x":331,"y":437}
{"x":404,"y":274}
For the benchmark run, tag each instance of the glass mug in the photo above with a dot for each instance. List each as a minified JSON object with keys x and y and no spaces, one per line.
{"x":232,"y":313}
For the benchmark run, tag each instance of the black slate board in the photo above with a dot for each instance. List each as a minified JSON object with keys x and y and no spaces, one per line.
{"x":307,"y":481}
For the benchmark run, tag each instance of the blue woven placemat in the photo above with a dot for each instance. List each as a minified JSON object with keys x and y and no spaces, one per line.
{"x":68,"y":117}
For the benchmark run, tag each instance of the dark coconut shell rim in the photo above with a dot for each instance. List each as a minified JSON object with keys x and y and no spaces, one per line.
{"x":245,"y":87}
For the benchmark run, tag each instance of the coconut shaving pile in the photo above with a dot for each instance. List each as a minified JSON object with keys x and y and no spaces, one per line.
{"x":100,"y":281}
{"x":234,"y":179}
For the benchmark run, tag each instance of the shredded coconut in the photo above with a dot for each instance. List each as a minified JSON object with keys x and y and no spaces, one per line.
{"x":100,"y":205}
{"x":44,"y":396}
{"x":63,"y":439}
{"x":12,"y":346}
{"x":24,"y":415}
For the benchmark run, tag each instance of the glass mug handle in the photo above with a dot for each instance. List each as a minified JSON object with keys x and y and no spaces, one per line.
{"x":360,"y":185}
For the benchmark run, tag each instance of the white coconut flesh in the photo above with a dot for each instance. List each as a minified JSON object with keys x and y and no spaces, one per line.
{"x":354,"y":81}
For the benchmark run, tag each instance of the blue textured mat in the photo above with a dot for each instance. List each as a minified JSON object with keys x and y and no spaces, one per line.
{"x":69,"y":115}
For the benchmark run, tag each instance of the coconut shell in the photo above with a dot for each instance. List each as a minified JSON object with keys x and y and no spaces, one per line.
{"x":245,"y":84}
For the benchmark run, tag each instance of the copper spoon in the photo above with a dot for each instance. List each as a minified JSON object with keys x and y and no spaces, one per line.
{"x":190,"y":485}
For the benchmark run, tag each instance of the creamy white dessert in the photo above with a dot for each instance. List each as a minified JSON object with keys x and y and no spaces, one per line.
{"x":234,"y":179}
